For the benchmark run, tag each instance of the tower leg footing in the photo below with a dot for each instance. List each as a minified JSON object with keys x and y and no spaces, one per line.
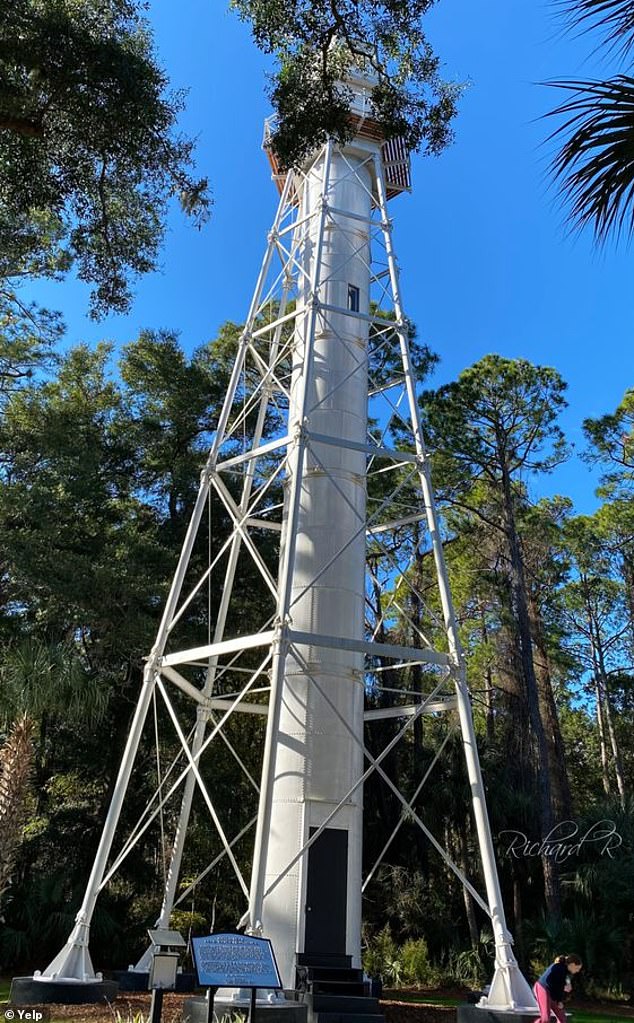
{"x":29,"y":991}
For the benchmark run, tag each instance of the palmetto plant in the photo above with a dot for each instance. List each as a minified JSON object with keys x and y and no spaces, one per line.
{"x":595,"y":165}
{"x":49,"y":678}
{"x":598,"y":940}
{"x":36,"y":679}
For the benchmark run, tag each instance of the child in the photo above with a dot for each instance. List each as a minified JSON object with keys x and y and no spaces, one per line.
{"x":551,"y":986}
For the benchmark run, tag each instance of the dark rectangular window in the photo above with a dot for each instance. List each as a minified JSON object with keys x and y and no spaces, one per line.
{"x":353,"y":298}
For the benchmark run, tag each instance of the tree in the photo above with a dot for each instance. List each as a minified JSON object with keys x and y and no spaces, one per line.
{"x":594,"y":165}
{"x":97,"y":476}
{"x":494,"y":426}
{"x":611,"y":440}
{"x":88,"y":145}
{"x":37,"y":682}
{"x":546,"y":567}
{"x":594,"y":606}
{"x":612,"y":445}
{"x":477,"y":558}
{"x":67,"y":511}
{"x":173,"y":404}
{"x":27,"y":342}
{"x":315,"y":43}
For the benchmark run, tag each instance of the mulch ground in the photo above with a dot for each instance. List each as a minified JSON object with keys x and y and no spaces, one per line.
{"x":124,"y":1008}
{"x":409,"y":1012}
{"x":130,"y":1004}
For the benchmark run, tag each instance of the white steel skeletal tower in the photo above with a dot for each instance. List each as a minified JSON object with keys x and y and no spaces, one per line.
{"x":305,"y":452}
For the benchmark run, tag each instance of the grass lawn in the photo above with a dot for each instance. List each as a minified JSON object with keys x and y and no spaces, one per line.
{"x":591,"y":1016}
{"x":600,"y":1014}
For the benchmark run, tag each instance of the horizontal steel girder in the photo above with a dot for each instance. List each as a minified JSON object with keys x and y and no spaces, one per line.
{"x":231,"y":646}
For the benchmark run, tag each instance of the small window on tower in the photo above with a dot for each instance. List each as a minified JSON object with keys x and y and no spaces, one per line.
{"x":353,"y":298}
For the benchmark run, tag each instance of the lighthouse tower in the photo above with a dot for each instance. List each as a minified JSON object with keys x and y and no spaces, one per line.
{"x":319,"y":465}
{"x":311,"y":806}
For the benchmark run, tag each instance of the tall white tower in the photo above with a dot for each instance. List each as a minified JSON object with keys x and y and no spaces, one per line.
{"x":318,"y":456}
{"x":319,"y":687}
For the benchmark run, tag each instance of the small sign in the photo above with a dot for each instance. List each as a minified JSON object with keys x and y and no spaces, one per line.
{"x":235,"y":960}
{"x":163,"y":971}
{"x":167,"y":939}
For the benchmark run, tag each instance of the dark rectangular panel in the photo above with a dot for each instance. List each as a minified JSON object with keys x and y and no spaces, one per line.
{"x":326,"y":892}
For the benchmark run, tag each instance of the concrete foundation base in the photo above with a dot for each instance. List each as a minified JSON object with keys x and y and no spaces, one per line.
{"x":195,"y":1011}
{"x":473,"y":1014}
{"x":29,"y":991}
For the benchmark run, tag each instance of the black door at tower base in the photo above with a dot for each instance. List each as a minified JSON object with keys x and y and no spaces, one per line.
{"x":326,"y":893}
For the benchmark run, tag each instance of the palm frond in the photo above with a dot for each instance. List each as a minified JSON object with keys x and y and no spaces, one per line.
{"x":615,"y":18}
{"x":595,"y":165}
{"x":37,"y":678}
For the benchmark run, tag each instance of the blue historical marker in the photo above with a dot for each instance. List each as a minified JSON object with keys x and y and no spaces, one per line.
{"x":235,"y":960}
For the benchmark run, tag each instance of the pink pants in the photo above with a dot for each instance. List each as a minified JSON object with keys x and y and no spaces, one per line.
{"x":546,"y":1006}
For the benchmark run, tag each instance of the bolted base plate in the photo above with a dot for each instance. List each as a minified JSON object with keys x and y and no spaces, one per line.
{"x":29,"y":991}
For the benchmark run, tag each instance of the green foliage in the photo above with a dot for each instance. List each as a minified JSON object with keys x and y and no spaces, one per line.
{"x":417,"y":967}
{"x":593,"y":167}
{"x":98,"y":476}
{"x":67,"y":507}
{"x":593,"y":607}
{"x":130,"y":1017}
{"x":38,"y":679}
{"x":186,"y":921}
{"x":582,"y":753}
{"x":42,"y":913}
{"x":489,"y":431}
{"x":316,"y":43}
{"x":406,"y":892}
{"x":172,"y":403}
{"x":602,"y":886}
{"x":593,"y":937}
{"x":474,"y":966}
{"x":612,"y":445}
{"x":99,"y":471}
{"x":382,"y":958}
{"x":88,"y":145}
{"x":599,"y":123}
{"x":28,"y":334}
{"x":499,"y":416}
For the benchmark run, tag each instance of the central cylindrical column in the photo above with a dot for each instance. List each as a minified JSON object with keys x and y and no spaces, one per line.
{"x":316,"y":908}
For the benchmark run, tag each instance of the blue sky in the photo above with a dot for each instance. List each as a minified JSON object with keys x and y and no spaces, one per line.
{"x":487,"y":264}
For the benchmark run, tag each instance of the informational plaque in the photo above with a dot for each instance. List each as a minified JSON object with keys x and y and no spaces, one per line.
{"x":235,"y":960}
